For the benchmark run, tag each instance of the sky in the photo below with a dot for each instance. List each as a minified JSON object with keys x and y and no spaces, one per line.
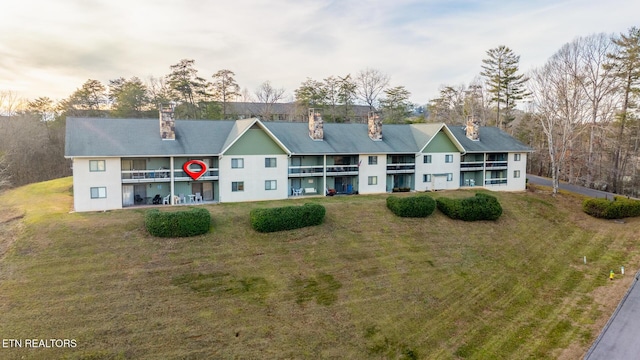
{"x":50,"y":48}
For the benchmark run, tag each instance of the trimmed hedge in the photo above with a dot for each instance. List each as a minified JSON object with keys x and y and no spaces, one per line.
{"x":287,"y":217}
{"x":607,"y":209}
{"x":177,"y":223}
{"x":412,"y":206}
{"x":480,"y":207}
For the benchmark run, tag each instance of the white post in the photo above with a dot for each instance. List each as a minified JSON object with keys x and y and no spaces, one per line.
{"x":585,"y":259}
{"x":171,"y":181}
{"x":622,"y":270}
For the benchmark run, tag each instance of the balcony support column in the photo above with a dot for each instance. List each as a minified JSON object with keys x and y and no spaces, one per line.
{"x":171,"y":179}
{"x":324,"y":174}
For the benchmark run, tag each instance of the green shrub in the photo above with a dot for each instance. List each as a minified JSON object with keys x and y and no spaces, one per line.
{"x":412,"y":206}
{"x":177,"y":223}
{"x":617,"y":208}
{"x":287,"y":217}
{"x":480,"y":207}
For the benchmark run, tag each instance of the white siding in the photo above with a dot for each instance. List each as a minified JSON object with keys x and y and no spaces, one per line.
{"x":516,"y":184}
{"x":84,"y":180}
{"x":365,"y":170}
{"x":438,"y":166}
{"x":253,"y":174}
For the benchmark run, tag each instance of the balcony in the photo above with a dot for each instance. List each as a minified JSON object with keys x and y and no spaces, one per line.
{"x":401,"y":168}
{"x":162,"y":175}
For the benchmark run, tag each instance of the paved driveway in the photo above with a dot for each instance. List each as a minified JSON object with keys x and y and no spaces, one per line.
{"x":572,"y":188}
{"x":619,"y":338}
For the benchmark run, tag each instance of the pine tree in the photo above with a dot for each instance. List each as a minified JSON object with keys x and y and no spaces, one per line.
{"x":504,"y":85}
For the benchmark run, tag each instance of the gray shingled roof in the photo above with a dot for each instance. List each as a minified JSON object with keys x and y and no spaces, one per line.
{"x":343,"y":139}
{"x":141,"y":137}
{"x":492,"y":139}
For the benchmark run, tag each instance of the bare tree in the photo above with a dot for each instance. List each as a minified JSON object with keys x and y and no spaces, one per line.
{"x":10,"y":103}
{"x":267,"y":95}
{"x":559,"y":105}
{"x":369,"y":84}
{"x":599,"y":88}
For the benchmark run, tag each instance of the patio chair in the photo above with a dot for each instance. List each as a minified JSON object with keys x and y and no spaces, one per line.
{"x":157,"y":199}
{"x":138,"y":199}
{"x":182,"y":199}
{"x":166,"y":200}
{"x":198,"y":197}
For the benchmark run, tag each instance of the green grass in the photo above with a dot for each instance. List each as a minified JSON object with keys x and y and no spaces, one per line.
{"x":364,"y":284}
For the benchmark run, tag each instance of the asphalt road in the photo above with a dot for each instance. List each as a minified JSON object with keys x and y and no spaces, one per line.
{"x":572,"y":188}
{"x":619,"y":338}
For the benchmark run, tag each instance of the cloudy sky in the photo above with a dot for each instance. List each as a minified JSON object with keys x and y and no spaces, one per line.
{"x":51,"y":47}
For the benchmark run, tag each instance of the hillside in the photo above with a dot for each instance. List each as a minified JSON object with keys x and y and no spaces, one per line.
{"x":365,"y":284}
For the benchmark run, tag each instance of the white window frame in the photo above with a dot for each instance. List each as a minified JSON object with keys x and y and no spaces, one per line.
{"x":237,"y":186}
{"x":270,"y":162}
{"x":516,"y":157}
{"x":270,"y":184}
{"x":426,"y":178}
{"x":372,"y":180}
{"x":448,"y":158}
{"x":449,"y":176}
{"x":94,"y":165}
{"x":516,"y":174}
{"x":373,"y":160}
{"x":426,"y":159}
{"x":237,"y":163}
{"x":98,"y":192}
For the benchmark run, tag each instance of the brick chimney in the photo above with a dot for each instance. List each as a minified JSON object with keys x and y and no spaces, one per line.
{"x":375,"y":126}
{"x":167,"y":122}
{"x":316,"y":125}
{"x":473,"y":129}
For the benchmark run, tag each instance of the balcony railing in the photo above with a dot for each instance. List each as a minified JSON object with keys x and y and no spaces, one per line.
{"x":300,"y":171}
{"x":401,"y":168}
{"x":495,"y":182}
{"x":342,"y":170}
{"x":496,"y":165}
{"x":471,"y":165}
{"x":163,"y":175}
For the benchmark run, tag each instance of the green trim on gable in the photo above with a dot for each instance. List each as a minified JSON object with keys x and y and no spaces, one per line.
{"x":441,"y":143}
{"x":255,"y":142}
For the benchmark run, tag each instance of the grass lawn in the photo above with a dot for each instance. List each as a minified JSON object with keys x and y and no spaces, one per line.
{"x":365,"y":284}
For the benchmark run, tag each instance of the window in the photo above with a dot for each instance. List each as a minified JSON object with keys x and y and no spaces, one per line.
{"x":270,"y":184}
{"x":237,"y":163}
{"x":426,"y":178}
{"x":270,"y":162}
{"x":448,"y":158}
{"x":373,"y":180}
{"x":237,"y":186}
{"x":98,"y":192}
{"x":96,"y":165}
{"x":516,"y":173}
{"x":449,"y":177}
{"x":516,"y":157}
{"x":373,"y":160}
{"x":426,"y":159}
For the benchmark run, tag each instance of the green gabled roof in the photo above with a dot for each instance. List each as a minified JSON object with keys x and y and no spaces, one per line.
{"x":492,"y":139}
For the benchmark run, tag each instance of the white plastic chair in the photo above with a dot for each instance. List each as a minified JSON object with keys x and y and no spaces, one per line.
{"x":198,"y":197}
{"x":166,"y":200}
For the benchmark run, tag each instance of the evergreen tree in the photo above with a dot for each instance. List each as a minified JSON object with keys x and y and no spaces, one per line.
{"x":225,"y":88}
{"x":504,"y":85}
{"x":625,"y":66}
